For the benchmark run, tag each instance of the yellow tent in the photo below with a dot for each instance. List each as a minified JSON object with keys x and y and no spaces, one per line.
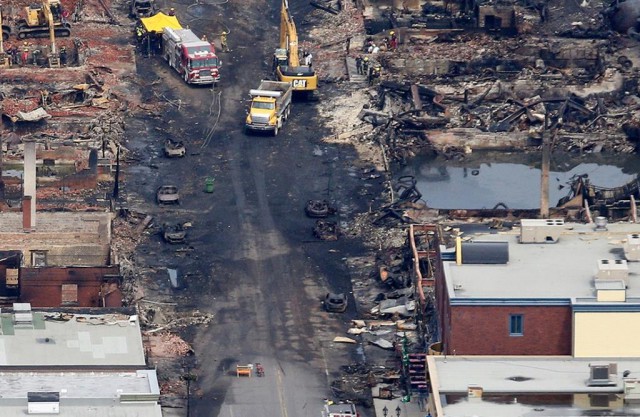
{"x":155,"y":24}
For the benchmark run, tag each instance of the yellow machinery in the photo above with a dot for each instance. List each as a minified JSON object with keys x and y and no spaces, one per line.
{"x":41,"y":18}
{"x":54,"y":59}
{"x":4,"y":58}
{"x":286,"y":58}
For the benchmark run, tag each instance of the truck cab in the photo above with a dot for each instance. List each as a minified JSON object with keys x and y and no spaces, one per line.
{"x":193,"y":58}
{"x":340,"y":410}
{"x":270,"y":106}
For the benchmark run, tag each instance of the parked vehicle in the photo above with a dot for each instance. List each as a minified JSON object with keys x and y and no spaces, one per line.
{"x":335,"y":303}
{"x":270,"y":106}
{"x":173,"y":149}
{"x":167,"y":194}
{"x":340,"y":410}
{"x":142,"y":8}
{"x":319,"y":209}
{"x":195,"y":59}
{"x":174,"y":233}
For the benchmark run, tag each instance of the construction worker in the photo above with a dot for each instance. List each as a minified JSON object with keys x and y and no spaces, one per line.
{"x":307,"y":59}
{"x":172,"y":12}
{"x":139,"y":33}
{"x":204,"y":38}
{"x":359,"y":64}
{"x":63,"y":56}
{"x":223,"y":42}
{"x":12,"y":53}
{"x":365,"y":65}
{"x":393,"y":42}
{"x":24,"y":57}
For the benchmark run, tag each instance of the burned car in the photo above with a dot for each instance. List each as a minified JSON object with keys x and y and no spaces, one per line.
{"x":174,"y":233}
{"x":167,"y":194}
{"x":142,"y":8}
{"x":173,"y":149}
{"x":335,"y":303}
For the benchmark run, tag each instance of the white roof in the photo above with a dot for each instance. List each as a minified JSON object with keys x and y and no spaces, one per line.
{"x":561,"y":270}
{"x":78,"y":384}
{"x":504,"y":379}
{"x":82,"y":394}
{"x":83,"y":340}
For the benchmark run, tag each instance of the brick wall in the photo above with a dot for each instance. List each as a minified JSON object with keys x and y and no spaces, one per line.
{"x":42,"y":287}
{"x":484,"y":330}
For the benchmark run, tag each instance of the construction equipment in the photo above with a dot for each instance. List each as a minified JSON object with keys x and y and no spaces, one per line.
{"x":6,"y":29}
{"x":270,"y":106}
{"x":54,"y":59}
{"x":192,"y":57}
{"x":286,"y":57}
{"x":41,"y":19}
{"x":4,"y":58}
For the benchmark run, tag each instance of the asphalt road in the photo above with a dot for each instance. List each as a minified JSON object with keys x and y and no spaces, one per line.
{"x":254,"y":263}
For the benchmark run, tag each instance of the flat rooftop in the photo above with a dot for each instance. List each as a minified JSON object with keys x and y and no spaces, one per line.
{"x":541,"y":375}
{"x":71,"y":340}
{"x":78,"y":384}
{"x":518,"y":386}
{"x":561,"y":270}
{"x":85,"y":408}
{"x":59,"y":222}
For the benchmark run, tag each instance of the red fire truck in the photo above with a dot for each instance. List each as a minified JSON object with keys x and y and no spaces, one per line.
{"x":193,"y":58}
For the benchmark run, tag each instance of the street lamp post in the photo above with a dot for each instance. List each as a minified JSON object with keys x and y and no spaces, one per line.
{"x":385,"y":410}
{"x":398,"y":411}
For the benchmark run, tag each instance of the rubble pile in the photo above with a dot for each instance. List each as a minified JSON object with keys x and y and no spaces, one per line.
{"x":167,"y":345}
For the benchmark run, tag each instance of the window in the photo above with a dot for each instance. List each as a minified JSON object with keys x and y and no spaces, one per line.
{"x":38,"y":258}
{"x":516,"y":327}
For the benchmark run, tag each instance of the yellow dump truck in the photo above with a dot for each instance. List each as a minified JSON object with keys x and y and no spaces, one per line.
{"x":270,"y":107}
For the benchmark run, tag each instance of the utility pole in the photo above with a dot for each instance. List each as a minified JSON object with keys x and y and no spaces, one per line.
{"x":544,"y":178}
{"x":116,"y":185}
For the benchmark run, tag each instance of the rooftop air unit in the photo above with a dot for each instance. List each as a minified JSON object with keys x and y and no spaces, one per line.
{"x":602,"y":375}
{"x":631,"y":390}
{"x":22,"y":315}
{"x":43,"y":403}
{"x":540,"y":230}
{"x":632,"y":247}
{"x":613,"y":270}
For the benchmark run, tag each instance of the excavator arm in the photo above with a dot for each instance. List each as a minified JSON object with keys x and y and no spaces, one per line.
{"x":302,"y":78}
{"x":289,"y":35}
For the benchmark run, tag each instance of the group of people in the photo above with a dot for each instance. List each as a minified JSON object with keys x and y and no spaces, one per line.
{"x":389,"y":43}
{"x":26,"y":54}
{"x":365,"y":67}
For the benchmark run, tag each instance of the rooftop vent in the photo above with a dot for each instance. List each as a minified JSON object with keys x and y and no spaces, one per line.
{"x":22,"y":315}
{"x":474,"y":391}
{"x":601,"y":224}
{"x":540,"y":230}
{"x":43,"y":403}
{"x":613,"y":270}
{"x":602,"y":375}
{"x":632,"y":247}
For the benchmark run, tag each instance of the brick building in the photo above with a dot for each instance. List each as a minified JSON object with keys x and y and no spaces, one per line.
{"x":546,"y":288}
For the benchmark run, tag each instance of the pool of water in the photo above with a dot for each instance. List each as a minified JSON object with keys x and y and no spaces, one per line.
{"x":485,"y":179}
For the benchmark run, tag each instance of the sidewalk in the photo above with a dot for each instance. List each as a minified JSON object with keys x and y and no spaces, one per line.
{"x":410,"y":409}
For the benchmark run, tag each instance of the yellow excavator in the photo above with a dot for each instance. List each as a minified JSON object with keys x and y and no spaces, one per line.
{"x":4,"y":58}
{"x":286,"y":58}
{"x":41,"y":18}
